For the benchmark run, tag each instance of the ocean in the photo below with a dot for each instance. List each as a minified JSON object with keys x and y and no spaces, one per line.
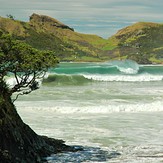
{"x":114,"y":110}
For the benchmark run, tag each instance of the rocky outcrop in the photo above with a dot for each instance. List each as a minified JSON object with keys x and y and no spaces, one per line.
{"x":18,"y":142}
{"x":46,"y":20}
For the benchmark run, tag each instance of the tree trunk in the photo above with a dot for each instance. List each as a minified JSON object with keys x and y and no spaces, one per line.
{"x":18,"y":142}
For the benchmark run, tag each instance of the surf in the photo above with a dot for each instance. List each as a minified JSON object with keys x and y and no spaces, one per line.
{"x":126,"y":66}
{"x":112,"y":67}
{"x":124,"y":78}
{"x":110,"y":105}
{"x":82,"y":79}
{"x":64,"y":79}
{"x":155,"y":106}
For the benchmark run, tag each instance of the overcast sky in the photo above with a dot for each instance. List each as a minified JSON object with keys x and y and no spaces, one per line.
{"x":101,"y":17}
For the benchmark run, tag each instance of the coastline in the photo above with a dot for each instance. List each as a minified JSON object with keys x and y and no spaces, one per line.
{"x":19,"y":143}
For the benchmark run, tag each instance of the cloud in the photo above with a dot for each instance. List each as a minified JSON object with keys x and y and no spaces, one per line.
{"x":100,"y":16}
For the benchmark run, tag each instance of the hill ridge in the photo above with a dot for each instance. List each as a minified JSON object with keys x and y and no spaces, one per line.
{"x":43,"y":19}
{"x":142,"y":41}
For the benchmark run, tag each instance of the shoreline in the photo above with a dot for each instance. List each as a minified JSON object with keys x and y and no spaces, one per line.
{"x":108,"y":62}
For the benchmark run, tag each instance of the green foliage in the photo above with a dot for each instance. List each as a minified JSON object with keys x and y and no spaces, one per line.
{"x":64,"y":42}
{"x":156,"y":61}
{"x":24,"y":62}
{"x":110,"y":45}
{"x":20,"y":57}
{"x":139,"y":41}
{"x":10,"y":16}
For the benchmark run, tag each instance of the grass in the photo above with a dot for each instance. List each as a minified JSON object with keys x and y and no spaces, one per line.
{"x":73,"y":46}
{"x":157,"y":61}
{"x":137,"y":26}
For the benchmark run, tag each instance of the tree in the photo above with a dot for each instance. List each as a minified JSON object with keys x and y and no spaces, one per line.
{"x":10,"y":16}
{"x":18,"y":142}
{"x":26,"y":64}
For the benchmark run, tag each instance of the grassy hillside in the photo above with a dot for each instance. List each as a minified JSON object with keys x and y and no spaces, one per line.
{"x":142,"y":42}
{"x":46,"y":33}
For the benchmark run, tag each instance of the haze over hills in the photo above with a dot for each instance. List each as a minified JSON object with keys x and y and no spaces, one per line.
{"x":142,"y":42}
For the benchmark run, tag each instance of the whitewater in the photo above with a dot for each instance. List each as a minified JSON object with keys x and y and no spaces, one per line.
{"x":113,"y":110}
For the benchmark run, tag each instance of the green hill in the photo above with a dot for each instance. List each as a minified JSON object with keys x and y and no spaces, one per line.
{"x":142,"y":41}
{"x":46,"y":33}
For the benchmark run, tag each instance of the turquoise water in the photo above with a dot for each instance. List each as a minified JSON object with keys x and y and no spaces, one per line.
{"x":113,"y":67}
{"x":113,"y":109}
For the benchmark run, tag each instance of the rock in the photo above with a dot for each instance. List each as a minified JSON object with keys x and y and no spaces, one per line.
{"x":19,"y":143}
{"x":47,"y":21}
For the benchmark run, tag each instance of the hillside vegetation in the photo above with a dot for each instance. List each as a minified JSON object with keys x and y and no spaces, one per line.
{"x":142,"y":42}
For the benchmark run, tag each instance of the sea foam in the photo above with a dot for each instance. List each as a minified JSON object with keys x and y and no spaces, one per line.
{"x":124,"y":78}
{"x":102,"y":109}
{"x":126,"y":66}
{"x":11,"y":81}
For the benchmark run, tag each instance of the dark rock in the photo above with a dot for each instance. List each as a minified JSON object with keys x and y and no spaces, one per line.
{"x":18,"y":142}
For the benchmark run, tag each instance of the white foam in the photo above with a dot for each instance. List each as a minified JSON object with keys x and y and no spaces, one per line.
{"x":11,"y":81}
{"x":124,"y":78}
{"x":112,"y":108}
{"x":126,"y":66}
{"x":128,"y":70}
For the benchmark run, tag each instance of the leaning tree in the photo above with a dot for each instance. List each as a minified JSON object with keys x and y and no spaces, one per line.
{"x":26,"y":64}
{"x":18,"y":142}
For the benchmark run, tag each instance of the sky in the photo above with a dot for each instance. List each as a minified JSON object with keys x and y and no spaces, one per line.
{"x":101,"y":17}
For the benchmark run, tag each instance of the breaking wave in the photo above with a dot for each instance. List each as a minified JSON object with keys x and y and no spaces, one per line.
{"x":63,"y":79}
{"x":117,"y":71}
{"x":125,"y":78}
{"x":113,"y":67}
{"x":126,"y":66}
{"x":155,"y":106}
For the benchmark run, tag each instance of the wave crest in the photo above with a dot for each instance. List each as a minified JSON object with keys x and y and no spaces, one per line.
{"x":125,"y":78}
{"x":140,"y":107}
{"x":64,"y":79}
{"x":126,"y":66}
